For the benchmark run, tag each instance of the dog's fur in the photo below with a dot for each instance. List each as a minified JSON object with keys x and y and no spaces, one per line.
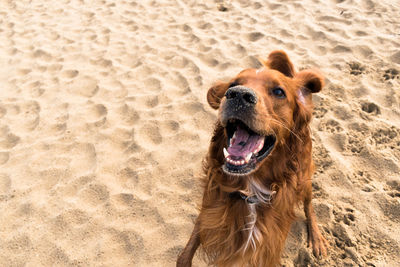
{"x":236,"y":232}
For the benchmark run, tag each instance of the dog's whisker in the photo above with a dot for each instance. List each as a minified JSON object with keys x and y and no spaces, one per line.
{"x":284,"y":126}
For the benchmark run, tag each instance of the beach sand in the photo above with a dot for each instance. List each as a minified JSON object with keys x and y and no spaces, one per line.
{"x":104,"y":124}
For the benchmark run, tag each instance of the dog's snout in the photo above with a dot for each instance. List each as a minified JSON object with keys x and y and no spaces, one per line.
{"x":245,"y":94}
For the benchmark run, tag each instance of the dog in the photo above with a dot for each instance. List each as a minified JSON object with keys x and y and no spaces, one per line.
{"x":258,"y":167}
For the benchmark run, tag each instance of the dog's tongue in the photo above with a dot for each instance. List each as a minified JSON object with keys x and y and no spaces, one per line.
{"x":243,"y":143}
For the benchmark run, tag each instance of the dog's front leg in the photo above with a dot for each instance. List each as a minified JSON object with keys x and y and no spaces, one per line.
{"x":315,"y":238}
{"x":186,"y":256}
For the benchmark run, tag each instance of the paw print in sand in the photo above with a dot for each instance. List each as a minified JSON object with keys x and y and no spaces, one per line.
{"x":331,"y":126}
{"x":356,"y":68}
{"x":370,"y":108}
{"x":391,"y":74}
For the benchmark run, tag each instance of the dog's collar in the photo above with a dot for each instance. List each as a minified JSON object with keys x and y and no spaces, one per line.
{"x":251,"y":199}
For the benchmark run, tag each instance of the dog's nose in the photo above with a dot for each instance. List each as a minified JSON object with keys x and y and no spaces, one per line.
{"x":245,"y":94}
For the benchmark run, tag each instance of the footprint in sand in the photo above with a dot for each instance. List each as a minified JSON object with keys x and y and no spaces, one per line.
{"x":128,"y":177}
{"x":391,"y":74}
{"x":96,"y":115}
{"x":74,"y":185}
{"x":129,"y":115}
{"x":18,"y":244}
{"x":7,"y":139}
{"x":364,"y":179}
{"x":389,"y":206}
{"x":331,"y":126}
{"x":70,"y":73}
{"x":322,"y":159}
{"x":363,"y":51}
{"x":356,"y":68}
{"x":128,"y":243}
{"x":169,"y":126}
{"x":339,"y":231}
{"x":43,"y":55}
{"x":349,"y":216}
{"x":303,"y":258}
{"x":319,"y":110}
{"x":152,"y":84}
{"x":178,"y":62}
{"x":356,"y":144}
{"x":395,"y":57}
{"x":94,"y":194}
{"x":31,"y":115}
{"x":181,"y":83}
{"x":318,"y":191}
{"x":324,"y":212}
{"x":151,"y":101}
{"x":255,"y":36}
{"x":53,"y":255}
{"x":338,"y":137}
{"x":208,"y":58}
{"x":35,"y":89}
{"x":386,"y":136}
{"x":253,"y":62}
{"x":371,"y":108}
{"x":150,"y":133}
{"x":85,"y":86}
{"x":341,"y":49}
{"x":50,"y":177}
{"x":75,"y":217}
{"x":394,"y":188}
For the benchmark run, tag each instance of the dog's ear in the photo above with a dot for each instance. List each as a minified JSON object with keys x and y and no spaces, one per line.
{"x":216,"y":93}
{"x":309,"y":81}
{"x":278,"y":60}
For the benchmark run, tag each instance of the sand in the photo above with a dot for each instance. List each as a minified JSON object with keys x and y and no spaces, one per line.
{"x":104,"y":124}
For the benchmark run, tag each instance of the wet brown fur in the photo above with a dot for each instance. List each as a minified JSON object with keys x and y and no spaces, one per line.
{"x":220,"y":227}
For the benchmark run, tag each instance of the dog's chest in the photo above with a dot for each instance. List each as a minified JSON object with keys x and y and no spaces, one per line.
{"x":250,"y":228}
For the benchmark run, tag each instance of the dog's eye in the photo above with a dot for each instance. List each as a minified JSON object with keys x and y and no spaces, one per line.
{"x":278,"y":92}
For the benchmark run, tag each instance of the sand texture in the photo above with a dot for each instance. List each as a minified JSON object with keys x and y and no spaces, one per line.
{"x":104,"y":124}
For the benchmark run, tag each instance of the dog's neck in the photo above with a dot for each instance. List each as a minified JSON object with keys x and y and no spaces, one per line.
{"x":254,"y":193}
{"x":257,"y":199}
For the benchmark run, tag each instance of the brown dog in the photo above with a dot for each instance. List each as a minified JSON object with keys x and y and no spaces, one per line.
{"x":258,"y":167}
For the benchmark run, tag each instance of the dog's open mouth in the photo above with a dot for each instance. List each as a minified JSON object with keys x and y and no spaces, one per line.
{"x":245,"y":149}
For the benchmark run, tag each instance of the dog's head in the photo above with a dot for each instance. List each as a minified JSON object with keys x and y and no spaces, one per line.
{"x":260,"y":108}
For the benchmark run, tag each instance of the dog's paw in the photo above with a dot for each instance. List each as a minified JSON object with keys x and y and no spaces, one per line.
{"x":319,"y":244}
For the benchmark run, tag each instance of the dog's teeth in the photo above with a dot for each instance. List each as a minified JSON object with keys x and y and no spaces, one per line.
{"x":248,"y":157}
{"x":260,"y":146}
{"x":241,"y":162}
{"x":226,"y":153}
{"x":232,"y":139}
